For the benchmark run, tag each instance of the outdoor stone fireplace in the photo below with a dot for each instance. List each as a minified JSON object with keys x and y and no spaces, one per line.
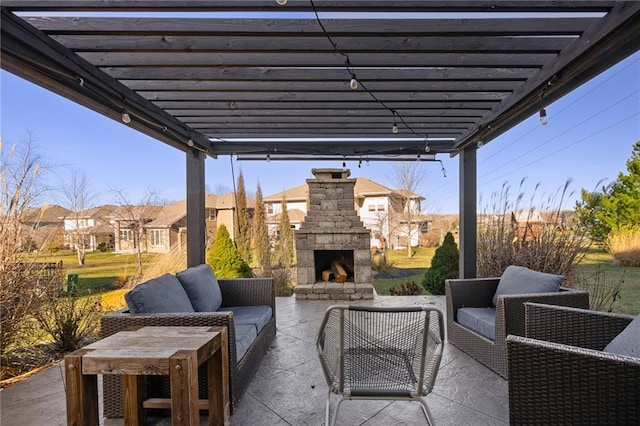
{"x":332,"y":245}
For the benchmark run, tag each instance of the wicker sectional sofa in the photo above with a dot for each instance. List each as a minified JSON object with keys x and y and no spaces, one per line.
{"x":238,"y":295}
{"x":569,"y":368}
{"x":507,"y":316}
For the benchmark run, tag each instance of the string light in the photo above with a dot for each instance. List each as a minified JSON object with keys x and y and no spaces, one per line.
{"x":427,"y":148}
{"x":354,"y":82}
{"x":190,"y":142}
{"x":480,"y":144}
{"x":268,"y":155}
{"x":394,"y":128}
{"x":281,"y":2}
{"x":543,"y":117}
{"x":344,"y":164}
{"x":126,"y":118}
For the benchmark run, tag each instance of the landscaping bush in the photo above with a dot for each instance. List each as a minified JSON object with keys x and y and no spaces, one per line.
{"x":70,"y":320}
{"x":602,"y":295}
{"x":224,"y":258}
{"x":283,"y":281}
{"x":551,"y":246}
{"x":624,"y":245}
{"x":407,"y":288}
{"x":444,"y":265}
{"x":430,"y":239}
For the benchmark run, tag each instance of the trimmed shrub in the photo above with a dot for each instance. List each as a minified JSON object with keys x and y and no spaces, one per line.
{"x":444,"y":265}
{"x":407,"y":288}
{"x":224,"y":258}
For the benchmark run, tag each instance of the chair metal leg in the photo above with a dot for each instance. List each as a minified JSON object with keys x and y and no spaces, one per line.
{"x":327,"y":409}
{"x":335,"y":411}
{"x":426,"y":411}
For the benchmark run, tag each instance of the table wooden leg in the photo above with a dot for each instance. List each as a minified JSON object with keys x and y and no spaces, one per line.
{"x":183,"y":374}
{"x":218,"y":382}
{"x":81,"y":392}
{"x":134,"y":389}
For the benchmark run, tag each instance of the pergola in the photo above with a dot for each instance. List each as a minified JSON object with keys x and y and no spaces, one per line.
{"x":260,"y":80}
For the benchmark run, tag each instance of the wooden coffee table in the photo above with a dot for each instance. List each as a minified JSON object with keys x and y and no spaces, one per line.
{"x":176,"y":352}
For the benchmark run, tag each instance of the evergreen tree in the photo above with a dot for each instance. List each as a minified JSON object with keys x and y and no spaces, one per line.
{"x":243,"y":239}
{"x":261,"y":245}
{"x":285,"y":252}
{"x":444,"y":265}
{"x":618,"y":205}
{"x":224,"y":258}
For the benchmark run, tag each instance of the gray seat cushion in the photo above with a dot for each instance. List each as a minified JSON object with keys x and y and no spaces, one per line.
{"x":521,"y":280}
{"x":628,"y":341}
{"x":162,"y":294}
{"x":258,"y":316}
{"x":480,"y":320}
{"x":245,"y":336}
{"x":202,"y":287}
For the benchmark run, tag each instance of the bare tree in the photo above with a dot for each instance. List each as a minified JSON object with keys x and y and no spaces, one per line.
{"x":78,"y":198}
{"x":408,"y":178}
{"x":134,"y":217}
{"x":21,"y":280}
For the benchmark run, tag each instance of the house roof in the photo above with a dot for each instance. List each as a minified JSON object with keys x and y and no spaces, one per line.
{"x":297,"y":193}
{"x":146,"y":212}
{"x":225,"y":201}
{"x":367,"y":187}
{"x":48,"y":213}
{"x":170,"y":214}
{"x":275,"y":82}
{"x":295,"y":216}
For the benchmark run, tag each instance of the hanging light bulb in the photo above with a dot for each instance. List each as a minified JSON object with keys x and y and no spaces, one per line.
{"x":281,"y":2}
{"x":344,"y":164}
{"x":190,"y":143}
{"x":480,"y":144}
{"x":126,"y":118}
{"x":360,"y":164}
{"x":268,"y":155}
{"x":427,"y":148}
{"x":394,"y":128}
{"x":543,"y":117}
{"x":354,"y":82}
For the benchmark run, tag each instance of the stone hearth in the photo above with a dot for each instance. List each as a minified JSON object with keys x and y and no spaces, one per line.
{"x":332,"y":231}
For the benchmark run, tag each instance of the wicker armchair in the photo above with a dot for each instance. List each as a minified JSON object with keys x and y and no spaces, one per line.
{"x":560,"y":375}
{"x":509,"y":319}
{"x":235,"y":292}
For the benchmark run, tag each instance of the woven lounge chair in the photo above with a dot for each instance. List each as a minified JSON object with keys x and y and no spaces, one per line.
{"x":508,"y":318}
{"x":380,"y":353}
{"x":560,"y":373}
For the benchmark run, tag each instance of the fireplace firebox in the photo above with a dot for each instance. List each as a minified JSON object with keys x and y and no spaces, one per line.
{"x":332,"y":232}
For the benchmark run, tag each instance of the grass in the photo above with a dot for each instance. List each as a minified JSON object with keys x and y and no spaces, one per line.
{"x":629,"y":302}
{"x":412,"y":269}
{"x":101,"y":271}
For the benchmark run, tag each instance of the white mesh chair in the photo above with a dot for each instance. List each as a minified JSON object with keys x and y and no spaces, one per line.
{"x":380,"y":353}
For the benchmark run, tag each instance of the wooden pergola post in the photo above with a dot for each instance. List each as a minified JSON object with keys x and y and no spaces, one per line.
{"x":468,"y":214}
{"x":196,"y":228}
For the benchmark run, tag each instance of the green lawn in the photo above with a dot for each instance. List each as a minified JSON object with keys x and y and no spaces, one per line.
{"x":628,"y":303}
{"x":101,"y":270}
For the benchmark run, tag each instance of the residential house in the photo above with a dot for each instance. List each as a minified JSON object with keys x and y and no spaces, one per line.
{"x":43,"y":227}
{"x":91,"y":225}
{"x":128,"y":223}
{"x":168,"y":230}
{"x":389,"y":214}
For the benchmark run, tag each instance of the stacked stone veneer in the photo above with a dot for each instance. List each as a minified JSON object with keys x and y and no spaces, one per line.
{"x":332,"y":223}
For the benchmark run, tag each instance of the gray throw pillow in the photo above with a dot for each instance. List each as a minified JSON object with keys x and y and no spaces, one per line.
{"x":521,"y":280}
{"x":628,"y":341}
{"x":202,"y":287}
{"x":162,"y":294}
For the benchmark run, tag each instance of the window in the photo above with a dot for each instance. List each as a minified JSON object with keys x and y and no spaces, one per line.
{"x":212,"y":214}
{"x":157,"y":237}
{"x":126,"y":235}
{"x":372,"y":208}
{"x":270,"y":208}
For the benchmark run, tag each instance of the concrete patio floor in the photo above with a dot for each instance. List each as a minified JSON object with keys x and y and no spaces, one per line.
{"x":289,"y":388}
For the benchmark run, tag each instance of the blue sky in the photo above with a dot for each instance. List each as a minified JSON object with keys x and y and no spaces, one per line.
{"x":588,"y":139}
